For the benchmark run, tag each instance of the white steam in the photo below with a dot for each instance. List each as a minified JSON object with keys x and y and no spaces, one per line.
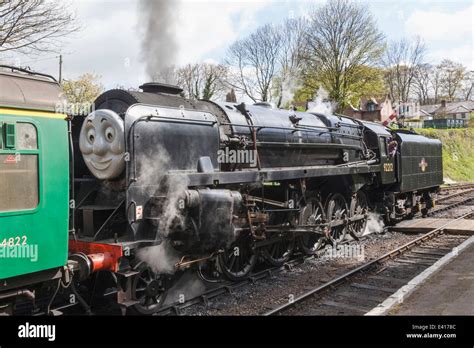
{"x":161,"y":258}
{"x":152,"y":172}
{"x":321,"y":103}
{"x":288,"y":89}
{"x":374,"y":224}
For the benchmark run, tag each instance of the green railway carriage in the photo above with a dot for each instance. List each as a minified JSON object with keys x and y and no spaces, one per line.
{"x":34,"y":179}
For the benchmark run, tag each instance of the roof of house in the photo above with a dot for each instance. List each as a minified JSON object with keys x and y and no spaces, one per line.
{"x":429,"y":109}
{"x":451,"y":108}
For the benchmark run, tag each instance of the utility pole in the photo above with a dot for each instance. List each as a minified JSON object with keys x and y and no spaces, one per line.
{"x":60,"y":68}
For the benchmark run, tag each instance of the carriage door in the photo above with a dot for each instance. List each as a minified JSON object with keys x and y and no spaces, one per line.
{"x":387,"y":161}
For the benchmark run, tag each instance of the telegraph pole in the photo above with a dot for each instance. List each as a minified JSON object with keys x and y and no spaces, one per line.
{"x":60,"y":68}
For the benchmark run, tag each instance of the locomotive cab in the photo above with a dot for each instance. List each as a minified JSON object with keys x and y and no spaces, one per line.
{"x":381,"y":142}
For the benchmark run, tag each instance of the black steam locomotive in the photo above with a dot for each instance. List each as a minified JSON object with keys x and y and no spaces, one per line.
{"x":163,"y":184}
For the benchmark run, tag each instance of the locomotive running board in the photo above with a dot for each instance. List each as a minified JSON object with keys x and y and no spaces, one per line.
{"x":271,"y":174}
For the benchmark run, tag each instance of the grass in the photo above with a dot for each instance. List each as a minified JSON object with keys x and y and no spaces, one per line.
{"x":458,"y":152}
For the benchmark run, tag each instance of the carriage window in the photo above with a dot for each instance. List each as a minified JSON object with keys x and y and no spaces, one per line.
{"x":19,"y":172}
{"x":383,"y":146}
{"x":26,"y":137}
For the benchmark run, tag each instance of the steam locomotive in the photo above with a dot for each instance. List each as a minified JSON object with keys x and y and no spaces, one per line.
{"x":151,"y":185}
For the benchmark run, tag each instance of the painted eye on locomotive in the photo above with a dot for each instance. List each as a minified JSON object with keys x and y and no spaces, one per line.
{"x":102,"y":144}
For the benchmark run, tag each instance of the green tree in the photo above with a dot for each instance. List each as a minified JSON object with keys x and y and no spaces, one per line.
{"x":370,"y":83}
{"x":342,"y":37}
{"x":85,"y":89}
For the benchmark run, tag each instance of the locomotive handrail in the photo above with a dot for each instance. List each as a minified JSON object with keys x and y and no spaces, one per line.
{"x":279,"y":143}
{"x":26,"y":71}
{"x":272,"y":127}
{"x":360,"y":125}
{"x":296,"y":129}
{"x":180,"y":120}
{"x":336,"y":134}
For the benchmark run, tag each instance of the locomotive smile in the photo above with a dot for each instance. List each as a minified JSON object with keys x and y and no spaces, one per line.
{"x":100,"y":165}
{"x":102,"y":144}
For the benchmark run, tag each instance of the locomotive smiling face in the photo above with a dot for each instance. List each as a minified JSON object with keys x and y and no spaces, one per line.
{"x":102,"y":143}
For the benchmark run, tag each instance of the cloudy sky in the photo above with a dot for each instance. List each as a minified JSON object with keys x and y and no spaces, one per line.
{"x":109,"y":41}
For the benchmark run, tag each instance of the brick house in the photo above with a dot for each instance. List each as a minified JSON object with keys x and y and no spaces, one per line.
{"x":372,"y":109}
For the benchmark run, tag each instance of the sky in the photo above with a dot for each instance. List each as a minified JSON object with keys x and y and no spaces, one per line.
{"x":108,"y":43}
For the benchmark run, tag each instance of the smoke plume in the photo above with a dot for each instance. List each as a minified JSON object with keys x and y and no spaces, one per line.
{"x":158,"y":22}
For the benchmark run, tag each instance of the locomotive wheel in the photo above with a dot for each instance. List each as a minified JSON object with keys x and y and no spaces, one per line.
{"x":312,"y":214}
{"x":359,"y":206}
{"x":149,"y":290}
{"x":279,"y":252}
{"x":336,"y":212}
{"x":238,"y":261}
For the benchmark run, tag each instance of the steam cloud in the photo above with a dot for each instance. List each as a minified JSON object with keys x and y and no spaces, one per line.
{"x":320,"y":104}
{"x":153,"y":168}
{"x":289,"y":87}
{"x":374,"y":224}
{"x":161,"y":258}
{"x":159,"y":49}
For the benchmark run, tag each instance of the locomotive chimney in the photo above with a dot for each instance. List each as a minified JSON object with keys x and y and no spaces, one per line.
{"x":156,"y":87}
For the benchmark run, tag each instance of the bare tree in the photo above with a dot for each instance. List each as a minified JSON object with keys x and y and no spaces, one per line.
{"x":254,"y":61}
{"x":452,"y":76}
{"x":468,"y":85}
{"x":402,"y":60}
{"x":422,"y":83}
{"x":188,"y":78}
{"x":435,"y":80}
{"x":34,"y":25}
{"x":290,"y":61}
{"x":342,"y":36}
{"x":202,"y":81}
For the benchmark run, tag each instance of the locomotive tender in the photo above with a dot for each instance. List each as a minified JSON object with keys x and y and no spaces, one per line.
{"x":140,"y":188}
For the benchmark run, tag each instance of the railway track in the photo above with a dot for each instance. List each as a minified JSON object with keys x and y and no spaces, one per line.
{"x":460,"y":199}
{"x":457,"y":186}
{"x":443,"y":199}
{"x":361,"y":289}
{"x":227,"y":287}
